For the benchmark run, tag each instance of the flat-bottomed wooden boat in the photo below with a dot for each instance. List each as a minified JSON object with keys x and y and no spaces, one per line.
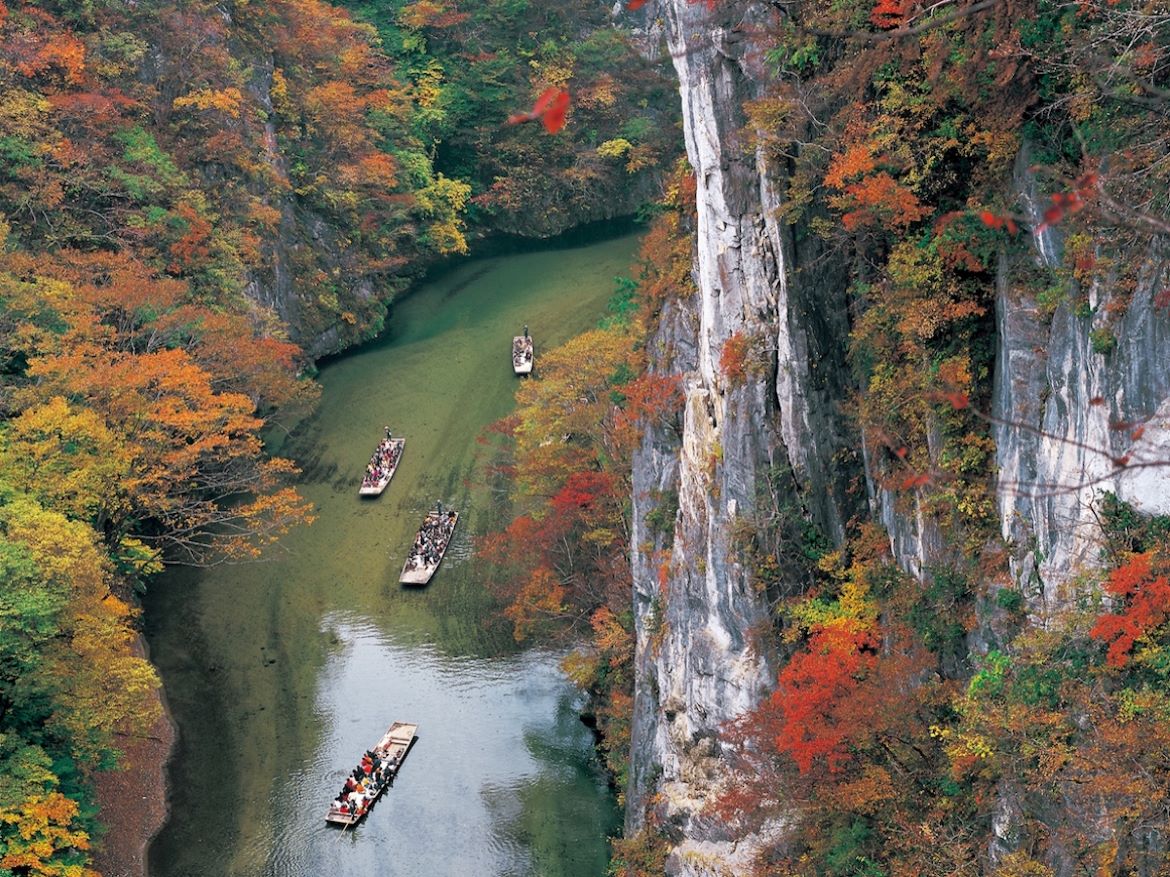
{"x":352,"y":804}
{"x":434,"y":536}
{"x":383,"y":465}
{"x":522,"y":354}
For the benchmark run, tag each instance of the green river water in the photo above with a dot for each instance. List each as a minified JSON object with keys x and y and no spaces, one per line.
{"x":280,"y":674}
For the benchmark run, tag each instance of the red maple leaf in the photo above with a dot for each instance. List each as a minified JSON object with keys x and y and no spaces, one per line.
{"x":994,"y":220}
{"x":550,"y":109}
{"x":1066,"y":203}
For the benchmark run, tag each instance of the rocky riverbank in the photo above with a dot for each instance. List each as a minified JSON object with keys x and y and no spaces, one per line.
{"x":133,"y":799}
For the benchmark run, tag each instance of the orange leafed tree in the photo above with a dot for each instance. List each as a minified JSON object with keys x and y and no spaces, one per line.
{"x":878,"y":201}
{"x":124,"y":305}
{"x":889,"y":13}
{"x":46,"y":835}
{"x":813,"y":687}
{"x":733,"y":357}
{"x":192,"y":475}
{"x":539,"y":603}
{"x":197,"y":471}
{"x":650,"y":400}
{"x":1142,"y":588}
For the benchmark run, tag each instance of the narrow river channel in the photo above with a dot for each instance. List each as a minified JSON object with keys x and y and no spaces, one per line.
{"x":280,"y":673}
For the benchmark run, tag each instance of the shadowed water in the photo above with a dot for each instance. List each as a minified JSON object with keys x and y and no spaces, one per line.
{"x":279,"y":674}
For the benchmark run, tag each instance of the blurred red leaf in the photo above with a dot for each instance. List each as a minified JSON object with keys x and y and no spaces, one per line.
{"x":550,"y":108}
{"x":910,"y":482}
{"x":1052,"y":215}
{"x":1065,"y":203}
{"x":545,"y":101}
{"x":554,"y":116}
{"x":957,"y":400}
{"x":635,"y":4}
{"x":994,"y":220}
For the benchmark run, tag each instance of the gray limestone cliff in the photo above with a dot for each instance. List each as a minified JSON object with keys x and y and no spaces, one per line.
{"x":1081,"y":407}
{"x":699,"y":664}
{"x":1072,"y":389}
{"x":1066,"y":375}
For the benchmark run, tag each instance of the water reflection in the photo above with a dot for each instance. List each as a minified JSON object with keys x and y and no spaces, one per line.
{"x":495,"y":738}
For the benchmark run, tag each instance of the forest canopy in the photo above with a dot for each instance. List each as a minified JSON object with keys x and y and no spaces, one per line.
{"x":196,"y":200}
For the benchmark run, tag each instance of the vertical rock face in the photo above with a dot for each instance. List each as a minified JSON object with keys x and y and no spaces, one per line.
{"x":1081,"y":405}
{"x":1066,"y":375}
{"x":696,"y":605}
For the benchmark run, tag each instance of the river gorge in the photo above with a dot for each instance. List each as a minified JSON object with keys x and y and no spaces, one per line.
{"x":280,"y":673}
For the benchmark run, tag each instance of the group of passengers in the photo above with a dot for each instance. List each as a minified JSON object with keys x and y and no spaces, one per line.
{"x":521,"y":350}
{"x":384,"y":460}
{"x":364,"y":783}
{"x":432,"y":538}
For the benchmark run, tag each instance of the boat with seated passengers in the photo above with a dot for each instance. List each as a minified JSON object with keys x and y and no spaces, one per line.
{"x":429,"y":546}
{"x":522,"y":353}
{"x":373,"y":775}
{"x":383,"y":464}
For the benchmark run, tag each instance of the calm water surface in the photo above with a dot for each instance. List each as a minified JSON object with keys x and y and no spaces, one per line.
{"x":279,"y":674}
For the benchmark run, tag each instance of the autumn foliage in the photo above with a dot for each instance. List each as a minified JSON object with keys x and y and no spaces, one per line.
{"x":190,"y":164}
{"x":1141,"y":586}
{"x":812,"y":688}
{"x":142,"y":187}
{"x":889,"y":13}
{"x":568,"y":443}
{"x":562,"y":566}
{"x":132,"y":439}
{"x":562,"y":563}
{"x":471,"y":67}
{"x":733,"y":357}
{"x":911,"y":710}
